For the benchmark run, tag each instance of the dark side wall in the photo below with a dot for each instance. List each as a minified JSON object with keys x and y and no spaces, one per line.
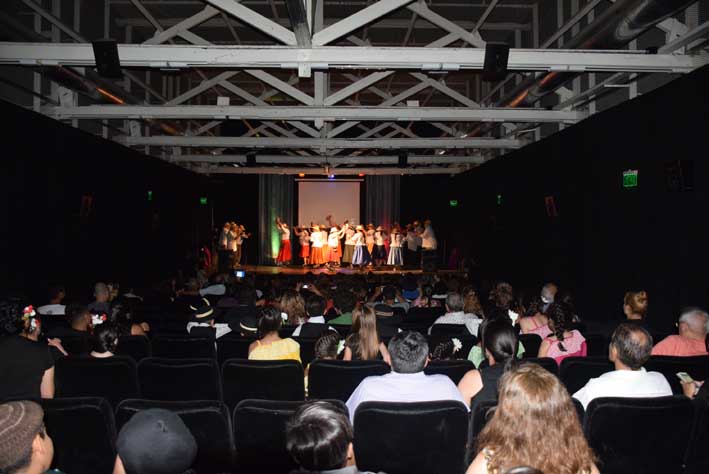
{"x":49,"y":169}
{"x":606,"y":239}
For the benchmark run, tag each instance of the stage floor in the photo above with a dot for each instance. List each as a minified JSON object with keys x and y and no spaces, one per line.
{"x":300,"y":270}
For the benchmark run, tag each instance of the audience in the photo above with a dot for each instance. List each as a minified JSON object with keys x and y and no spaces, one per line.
{"x":26,"y":366}
{"x":293,"y":305}
{"x":122,"y":315}
{"x":564,"y":341}
{"x":270,"y":346}
{"x":345,"y":302}
{"x":548,"y":295}
{"x":315,"y":323}
{"x":629,"y":350}
{"x":535,"y":425}
{"x":363,"y":343}
{"x":446,"y":350}
{"x":535,"y":321}
{"x":499,"y":341}
{"x":635,"y":306}
{"x":79,"y":322}
{"x":101,"y":304}
{"x":105,"y":340}
{"x":692,"y":339}
{"x":390,"y":296}
{"x":204,"y":317}
{"x":55,"y":306}
{"x":154,"y":441}
{"x":455,"y":314}
{"x":319,"y":438}
{"x":406,"y":382}
{"x":25,"y":446}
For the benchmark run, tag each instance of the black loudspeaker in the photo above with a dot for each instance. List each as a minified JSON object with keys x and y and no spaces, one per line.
{"x":429,"y":263}
{"x":495,"y":66}
{"x":106,"y":55}
{"x":251,"y":159}
{"x":679,"y":175}
{"x":403,"y":160}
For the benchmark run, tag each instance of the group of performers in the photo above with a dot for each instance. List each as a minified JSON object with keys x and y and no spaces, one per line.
{"x":321,"y":244}
{"x":231,"y":240}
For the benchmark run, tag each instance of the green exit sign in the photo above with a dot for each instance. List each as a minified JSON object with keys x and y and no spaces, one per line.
{"x":453,"y":203}
{"x":203,"y":201}
{"x":630,"y":179}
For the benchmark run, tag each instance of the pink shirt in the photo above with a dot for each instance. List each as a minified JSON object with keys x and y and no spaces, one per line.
{"x":575,"y":346}
{"x":679,"y":346}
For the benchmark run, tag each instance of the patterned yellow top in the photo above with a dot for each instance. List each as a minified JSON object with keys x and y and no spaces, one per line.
{"x":284,"y":349}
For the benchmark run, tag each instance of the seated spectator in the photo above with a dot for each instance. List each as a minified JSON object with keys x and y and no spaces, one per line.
{"x":328,"y":346}
{"x":535,"y":425}
{"x":293,"y":305}
{"x":477,"y":354}
{"x":548,"y":295}
{"x":471,"y":305}
{"x":270,"y":346}
{"x":635,"y":304}
{"x":217,"y":288}
{"x":499,"y":341}
{"x":25,"y":446}
{"x":456,"y":315}
{"x":502,"y":299}
{"x":410,"y":289}
{"x":315,"y":324}
{"x":535,"y":321}
{"x":26,"y":366}
{"x":204,"y":317}
{"x":55,"y":306}
{"x":248,"y":327}
{"x":425,"y":299}
{"x":101,"y":304}
{"x":440,"y":292}
{"x":629,"y":350}
{"x":391,"y":297}
{"x":319,"y":438}
{"x":122,"y":315}
{"x":105,"y":340}
{"x":406,"y":382}
{"x":79,"y":319}
{"x":564,"y":341}
{"x":246,"y":297}
{"x":363,"y":343}
{"x":154,"y":441}
{"x":344,"y":302}
{"x":692,"y":339}
{"x":446,"y":350}
{"x":387,"y":320}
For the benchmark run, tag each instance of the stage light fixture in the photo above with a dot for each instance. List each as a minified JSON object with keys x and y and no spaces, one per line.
{"x":495,"y":61}
{"x":331,"y":176}
{"x":301,"y":175}
{"x":361,"y":175}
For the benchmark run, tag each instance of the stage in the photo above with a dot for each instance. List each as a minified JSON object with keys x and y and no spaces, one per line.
{"x":300,"y":270}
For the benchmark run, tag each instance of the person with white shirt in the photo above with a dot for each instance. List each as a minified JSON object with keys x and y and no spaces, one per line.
{"x":630,"y":349}
{"x":407,"y":381}
{"x":348,"y":253}
{"x":316,"y":247}
{"x":456,"y":315}
{"x":315,"y":325}
{"x":428,"y":237}
{"x":204,"y":317}
{"x":55,"y":306}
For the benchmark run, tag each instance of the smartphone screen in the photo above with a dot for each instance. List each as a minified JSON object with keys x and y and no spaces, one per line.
{"x":685,"y":377}
{"x":239,"y":273}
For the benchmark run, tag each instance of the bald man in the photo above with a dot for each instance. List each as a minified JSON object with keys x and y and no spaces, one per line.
{"x":691,"y":340}
{"x":629,"y":350}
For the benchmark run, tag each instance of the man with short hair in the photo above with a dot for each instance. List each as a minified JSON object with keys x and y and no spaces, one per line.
{"x":100,"y":305}
{"x":79,"y":319}
{"x":692,"y":338}
{"x":630,"y":349}
{"x":25,"y":446}
{"x":406,"y":382}
{"x":55,"y":306}
{"x":547,"y":295}
{"x":456,"y":315}
{"x":154,"y":441}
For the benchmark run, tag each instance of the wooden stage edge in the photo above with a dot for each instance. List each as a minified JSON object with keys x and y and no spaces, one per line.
{"x":300,"y":270}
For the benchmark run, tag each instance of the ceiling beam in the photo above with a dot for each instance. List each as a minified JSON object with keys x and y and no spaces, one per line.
{"x":341,"y":57}
{"x":258,"y":21}
{"x":400,"y":114}
{"x":299,"y":22}
{"x":334,"y":171}
{"x":363,"y":160}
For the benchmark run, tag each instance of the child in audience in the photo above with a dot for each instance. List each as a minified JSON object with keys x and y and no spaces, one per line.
{"x":270,"y":346}
{"x":535,"y":420}
{"x":564,"y":342}
{"x":327,"y":347}
{"x":25,"y":446}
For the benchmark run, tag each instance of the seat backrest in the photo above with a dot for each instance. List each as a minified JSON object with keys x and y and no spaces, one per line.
{"x":113,"y":378}
{"x":262,"y":379}
{"x":209,"y":422}
{"x":307,"y":348}
{"x":136,"y":347}
{"x":597,"y":345}
{"x":531,"y":343}
{"x":204,"y":331}
{"x":697,"y":367}
{"x":575,"y":372}
{"x":454,"y":369}
{"x":233,"y":347}
{"x":183,"y":347}
{"x":76,"y":345}
{"x":546,"y":362}
{"x":179,"y":379}
{"x":697,"y":459}
{"x":390,"y":437}
{"x":259,"y":434}
{"x":467,"y":341}
{"x":479,"y":416}
{"x":337,"y":379}
{"x":451,"y":330}
{"x":342,"y":329}
{"x":84,"y":434}
{"x":639,"y":435}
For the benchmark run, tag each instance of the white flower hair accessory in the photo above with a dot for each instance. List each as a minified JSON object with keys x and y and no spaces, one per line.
{"x":97,"y":319}
{"x":340,"y":346}
{"x":284,"y":316}
{"x":457,"y":345}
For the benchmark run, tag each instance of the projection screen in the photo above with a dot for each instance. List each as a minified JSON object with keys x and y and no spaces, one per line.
{"x":317,"y":199}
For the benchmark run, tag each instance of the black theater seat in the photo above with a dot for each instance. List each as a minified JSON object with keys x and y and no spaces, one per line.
{"x":179,"y":379}
{"x":262,"y":379}
{"x":183,"y":347}
{"x":337,"y":379}
{"x":113,"y":378}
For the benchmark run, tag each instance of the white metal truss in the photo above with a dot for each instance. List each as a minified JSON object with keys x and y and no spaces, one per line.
{"x":333,"y":87}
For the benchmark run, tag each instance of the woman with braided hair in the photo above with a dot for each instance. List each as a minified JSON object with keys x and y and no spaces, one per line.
{"x":564,"y":341}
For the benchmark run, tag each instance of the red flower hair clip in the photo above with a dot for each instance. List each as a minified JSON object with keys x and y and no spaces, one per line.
{"x":28,"y":312}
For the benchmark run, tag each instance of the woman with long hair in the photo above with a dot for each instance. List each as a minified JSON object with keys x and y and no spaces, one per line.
{"x":564,"y":341}
{"x":363,"y":343}
{"x":499,"y":342}
{"x":536,"y":425}
{"x":534,"y":320}
{"x":293,"y":305}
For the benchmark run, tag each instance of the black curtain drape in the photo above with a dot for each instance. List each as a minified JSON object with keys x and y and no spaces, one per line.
{"x":276,"y":200}
{"x":382,"y":206}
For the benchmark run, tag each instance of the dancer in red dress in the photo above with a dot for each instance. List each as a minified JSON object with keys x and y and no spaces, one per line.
{"x":284,"y":253}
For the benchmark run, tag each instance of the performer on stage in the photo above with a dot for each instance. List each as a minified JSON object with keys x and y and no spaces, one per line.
{"x":349,"y":244}
{"x":325,"y":245}
{"x":316,"y":242}
{"x":239,"y":243}
{"x":361,"y":255}
{"x":333,"y":242}
{"x":284,"y":253}
{"x":379,"y":255}
{"x":396,"y":257}
{"x":304,"y":237}
{"x":231,"y":243}
{"x":224,"y":236}
{"x":428,"y":240}
{"x":411,"y":246}
{"x":369,"y":238}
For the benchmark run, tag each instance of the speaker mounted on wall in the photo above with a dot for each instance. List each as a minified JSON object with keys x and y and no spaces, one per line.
{"x":495,"y":64}
{"x":106,"y":55}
